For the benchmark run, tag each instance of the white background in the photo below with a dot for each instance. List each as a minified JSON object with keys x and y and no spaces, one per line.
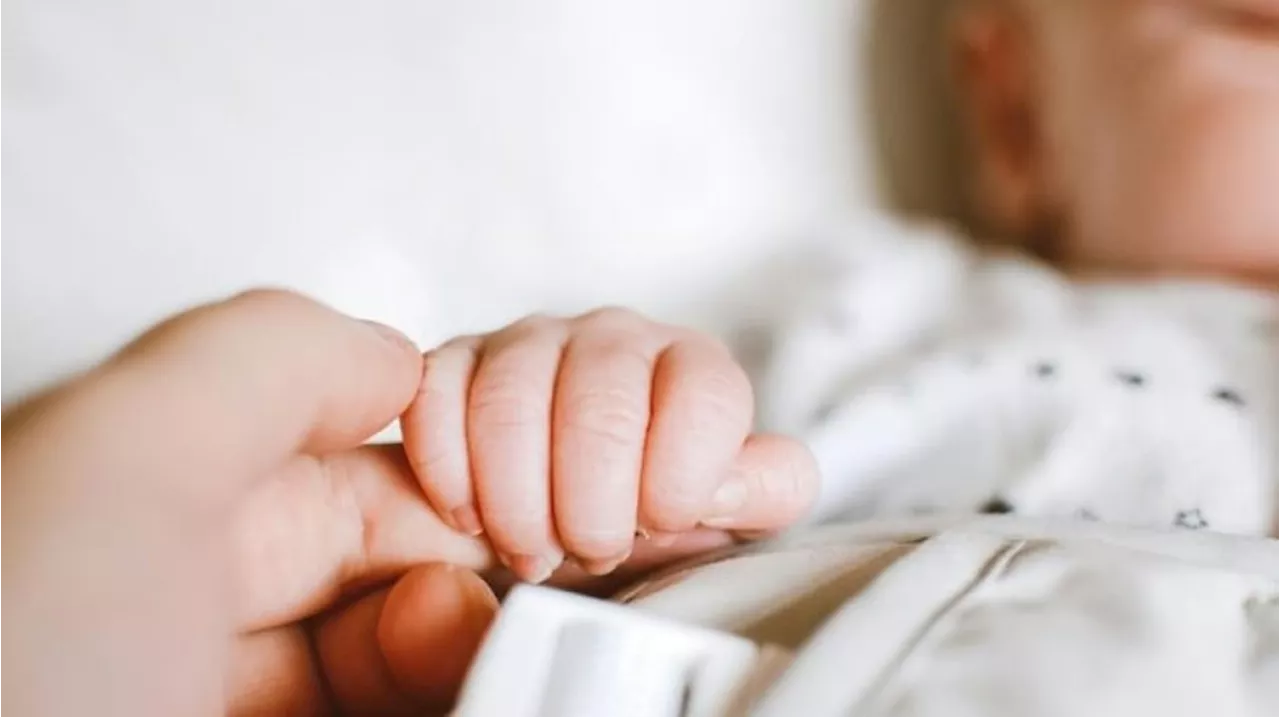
{"x":441,"y":165}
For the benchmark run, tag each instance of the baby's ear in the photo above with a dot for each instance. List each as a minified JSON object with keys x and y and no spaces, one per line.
{"x":992,"y":63}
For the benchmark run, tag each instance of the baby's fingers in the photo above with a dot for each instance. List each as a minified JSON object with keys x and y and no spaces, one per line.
{"x":771,"y":485}
{"x":435,"y":433}
{"x":702,"y":412}
{"x":508,"y":430}
{"x":600,"y":419}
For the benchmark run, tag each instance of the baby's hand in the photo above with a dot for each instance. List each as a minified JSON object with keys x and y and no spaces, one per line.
{"x":575,"y":435}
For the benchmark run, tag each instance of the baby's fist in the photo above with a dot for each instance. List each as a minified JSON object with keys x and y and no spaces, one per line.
{"x":573,"y":435}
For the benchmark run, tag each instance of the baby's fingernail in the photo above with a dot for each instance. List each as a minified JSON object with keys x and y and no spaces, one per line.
{"x":728,"y":499}
{"x":467,"y":520}
{"x":533,"y":568}
{"x":604,"y":566}
{"x":725,"y":504}
{"x":663,"y":539}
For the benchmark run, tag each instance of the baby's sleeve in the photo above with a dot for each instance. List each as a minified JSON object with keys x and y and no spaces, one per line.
{"x":886,"y":289}
{"x":889,"y":291}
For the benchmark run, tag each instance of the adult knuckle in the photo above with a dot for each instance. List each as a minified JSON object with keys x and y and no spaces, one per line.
{"x":239,"y":328}
{"x":277,"y":315}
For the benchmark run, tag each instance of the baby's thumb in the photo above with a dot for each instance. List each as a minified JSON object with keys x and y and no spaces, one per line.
{"x":771,"y":485}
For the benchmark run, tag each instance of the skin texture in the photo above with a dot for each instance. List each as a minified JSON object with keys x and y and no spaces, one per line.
{"x":567,"y":437}
{"x":1127,"y":137}
{"x":195,"y":527}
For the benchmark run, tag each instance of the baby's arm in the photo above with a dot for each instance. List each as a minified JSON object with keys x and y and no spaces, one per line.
{"x":886,"y":373}
{"x":568,"y":437}
{"x":887,"y":287}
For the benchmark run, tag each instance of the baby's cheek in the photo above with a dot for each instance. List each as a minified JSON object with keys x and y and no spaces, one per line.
{"x":1212,"y":199}
{"x":1189,"y":187}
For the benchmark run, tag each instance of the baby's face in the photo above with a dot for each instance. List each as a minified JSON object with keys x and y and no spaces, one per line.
{"x":1157,"y":124}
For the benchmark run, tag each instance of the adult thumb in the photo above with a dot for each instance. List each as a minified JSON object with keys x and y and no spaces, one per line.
{"x":431,"y":627}
{"x":405,"y":649}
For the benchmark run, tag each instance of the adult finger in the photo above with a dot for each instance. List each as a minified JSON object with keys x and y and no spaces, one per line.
{"x":405,"y":649}
{"x":435,"y":432}
{"x":702,"y":412}
{"x":398,"y":650}
{"x":771,"y":484}
{"x":117,"y":483}
{"x":432,"y":624}
{"x":508,"y":431}
{"x":220,"y":393}
{"x":350,"y":659}
{"x":273,"y":672}
{"x":601,"y":415}
{"x":323,"y":527}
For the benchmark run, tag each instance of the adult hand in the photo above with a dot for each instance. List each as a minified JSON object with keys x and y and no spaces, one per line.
{"x":195,"y":527}
{"x":243,"y":418}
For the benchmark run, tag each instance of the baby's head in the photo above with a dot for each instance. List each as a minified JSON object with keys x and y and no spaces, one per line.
{"x":1127,"y":136}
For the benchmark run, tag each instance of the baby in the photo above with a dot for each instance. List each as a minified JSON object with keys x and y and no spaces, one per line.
{"x":1126,"y":373}
{"x":1129,"y":143}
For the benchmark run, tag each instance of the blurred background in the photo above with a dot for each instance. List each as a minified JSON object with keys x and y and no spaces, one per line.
{"x":447,"y":166}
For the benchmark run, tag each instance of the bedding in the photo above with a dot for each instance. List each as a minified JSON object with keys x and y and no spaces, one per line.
{"x":949,"y":616}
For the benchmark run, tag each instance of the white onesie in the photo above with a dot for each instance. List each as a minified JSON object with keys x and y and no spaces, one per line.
{"x":929,"y":376}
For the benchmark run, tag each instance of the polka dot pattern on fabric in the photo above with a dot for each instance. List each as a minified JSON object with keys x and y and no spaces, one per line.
{"x":1130,"y":378}
{"x":1228,"y":395}
{"x":1190,"y":519}
{"x":997,"y":506}
{"x":974,"y":381}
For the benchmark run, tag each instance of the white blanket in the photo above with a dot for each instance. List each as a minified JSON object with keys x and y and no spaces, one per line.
{"x":996,"y":616}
